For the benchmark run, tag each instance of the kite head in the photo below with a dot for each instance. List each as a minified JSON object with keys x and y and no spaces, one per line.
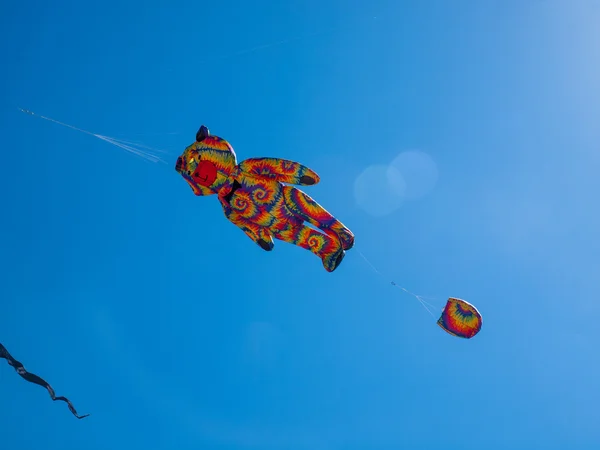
{"x":207,"y":163}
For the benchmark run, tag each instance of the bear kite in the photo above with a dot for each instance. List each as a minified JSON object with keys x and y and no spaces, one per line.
{"x":256,"y":196}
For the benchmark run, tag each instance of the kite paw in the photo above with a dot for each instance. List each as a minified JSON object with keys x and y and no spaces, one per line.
{"x":306,"y":180}
{"x":346,"y":238}
{"x":333,"y":260}
{"x":267,"y":246}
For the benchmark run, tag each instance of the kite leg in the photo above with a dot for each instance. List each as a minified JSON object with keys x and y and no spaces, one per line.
{"x":325,"y":246}
{"x":304,"y":207}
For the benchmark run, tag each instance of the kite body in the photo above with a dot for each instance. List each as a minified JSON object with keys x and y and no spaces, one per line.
{"x":254,"y":197}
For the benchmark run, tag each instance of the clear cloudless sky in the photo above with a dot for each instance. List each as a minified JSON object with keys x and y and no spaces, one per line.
{"x":150,"y":311}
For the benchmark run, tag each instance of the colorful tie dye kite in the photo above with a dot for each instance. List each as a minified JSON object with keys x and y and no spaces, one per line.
{"x":254,"y":197}
{"x":36,"y":380}
{"x":460,"y":319}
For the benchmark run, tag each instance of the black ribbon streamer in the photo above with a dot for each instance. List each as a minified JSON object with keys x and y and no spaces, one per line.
{"x":36,"y":380}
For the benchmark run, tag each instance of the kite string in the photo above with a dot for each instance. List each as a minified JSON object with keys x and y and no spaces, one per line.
{"x":420,"y":298}
{"x":137,"y":144}
{"x":129,"y":148}
{"x":125,"y":145}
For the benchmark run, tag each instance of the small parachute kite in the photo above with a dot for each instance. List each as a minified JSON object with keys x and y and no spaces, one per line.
{"x":460,"y":319}
{"x":36,"y":380}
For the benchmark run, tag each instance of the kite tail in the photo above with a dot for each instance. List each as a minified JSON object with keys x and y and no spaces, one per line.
{"x":70,"y":406}
{"x":32,"y":378}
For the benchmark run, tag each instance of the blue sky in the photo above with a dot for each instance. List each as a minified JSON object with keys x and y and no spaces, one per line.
{"x":141,"y":303}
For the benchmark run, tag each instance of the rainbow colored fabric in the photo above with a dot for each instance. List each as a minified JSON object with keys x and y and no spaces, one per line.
{"x":460,"y":318}
{"x":255,"y":199}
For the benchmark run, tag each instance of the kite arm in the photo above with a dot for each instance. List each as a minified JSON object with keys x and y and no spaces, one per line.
{"x":277,"y":169}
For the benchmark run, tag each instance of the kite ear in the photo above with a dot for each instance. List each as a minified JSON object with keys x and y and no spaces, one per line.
{"x":202,"y":133}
